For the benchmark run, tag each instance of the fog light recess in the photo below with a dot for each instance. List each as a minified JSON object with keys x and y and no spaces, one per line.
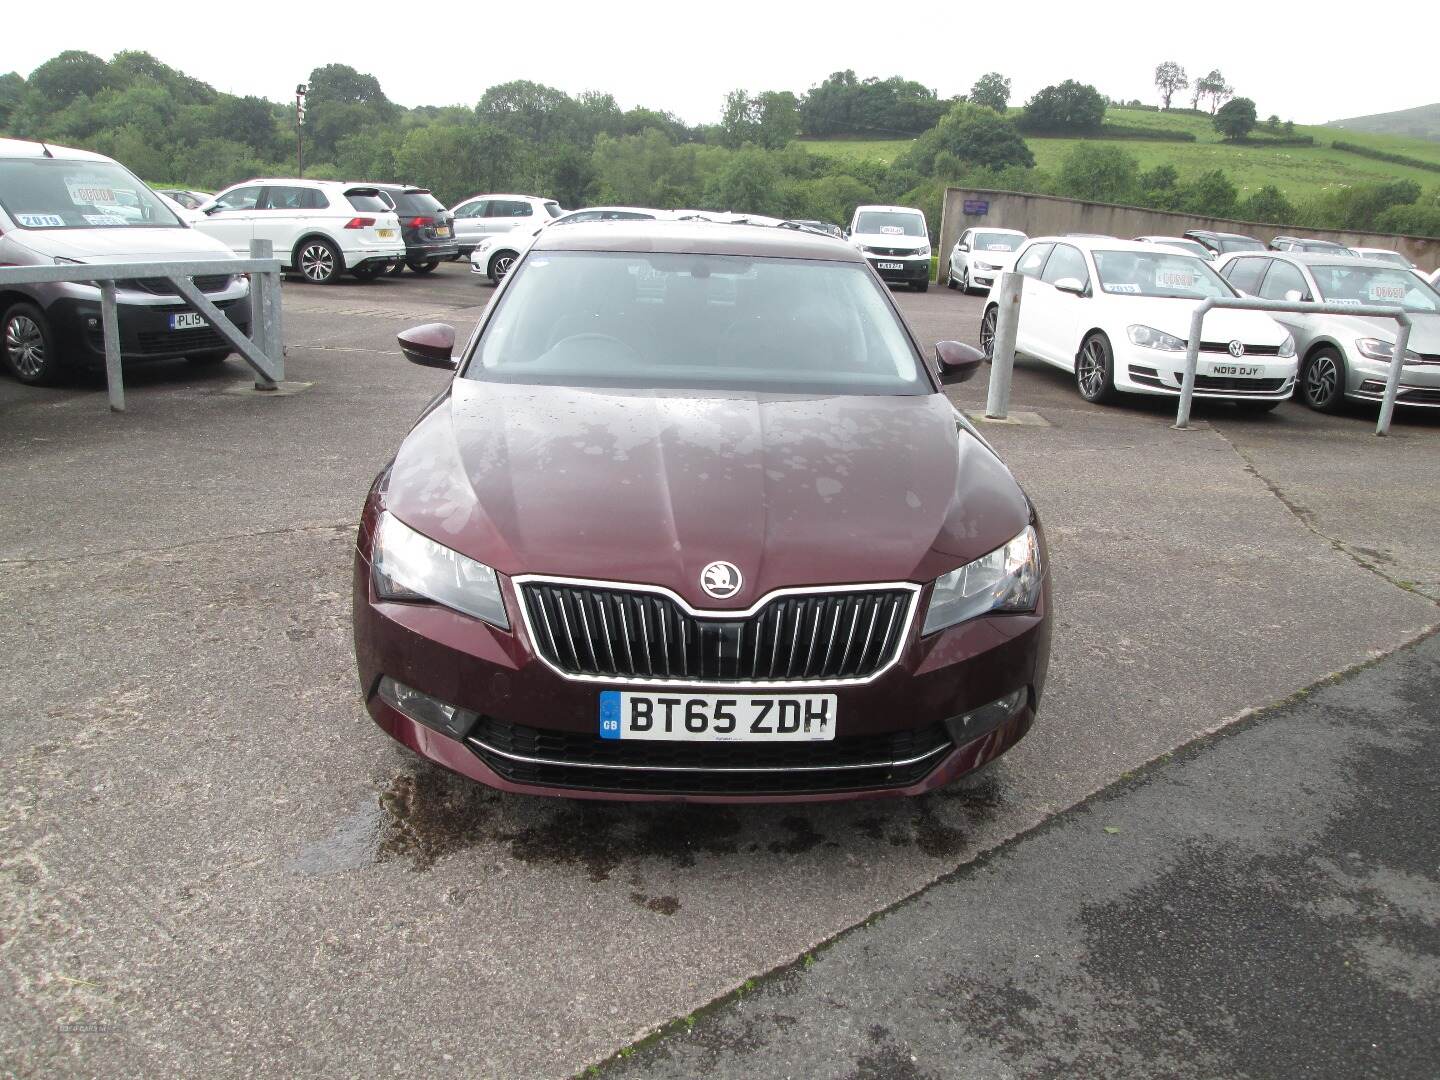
{"x":971,"y":725}
{"x":424,"y":709}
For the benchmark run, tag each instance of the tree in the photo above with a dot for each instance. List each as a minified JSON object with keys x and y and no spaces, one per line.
{"x":737,"y":120}
{"x":1099,"y":173}
{"x":1068,"y":107}
{"x":1211,"y":194}
{"x":70,"y":75}
{"x":1235,"y":119}
{"x":245,"y":119}
{"x":1160,"y":187}
{"x":1170,"y":77}
{"x":991,"y":90}
{"x":1268,"y":205}
{"x":12,"y":92}
{"x":528,"y":110}
{"x":975,"y":136}
{"x":777,"y":118}
{"x":1215,"y":88}
{"x":845,"y":105}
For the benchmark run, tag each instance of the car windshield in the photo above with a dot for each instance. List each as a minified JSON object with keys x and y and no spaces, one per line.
{"x":55,"y":193}
{"x":715,"y":322}
{"x":1240,"y":243}
{"x":1158,"y":273}
{"x":997,"y":241}
{"x":416,"y":203}
{"x":1389,"y":258}
{"x":890,"y":223}
{"x":1185,"y":245}
{"x":1356,"y":285}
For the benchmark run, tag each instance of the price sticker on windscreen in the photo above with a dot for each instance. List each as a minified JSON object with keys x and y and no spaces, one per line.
{"x":891,"y":230}
{"x":1174,"y":279}
{"x":89,"y":190}
{"x":1383,"y":293}
{"x":997,"y":247}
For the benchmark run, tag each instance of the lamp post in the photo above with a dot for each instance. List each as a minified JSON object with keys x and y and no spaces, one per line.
{"x":300,"y":91}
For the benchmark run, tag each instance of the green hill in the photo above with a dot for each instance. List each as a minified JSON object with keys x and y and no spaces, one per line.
{"x":1298,"y":171}
{"x":1418,"y":123}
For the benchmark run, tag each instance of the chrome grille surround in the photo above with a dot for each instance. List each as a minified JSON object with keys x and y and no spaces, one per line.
{"x":618,"y":649}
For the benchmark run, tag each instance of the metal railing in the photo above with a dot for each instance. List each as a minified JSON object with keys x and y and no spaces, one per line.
{"x":264,"y":350}
{"x":1250,"y":303}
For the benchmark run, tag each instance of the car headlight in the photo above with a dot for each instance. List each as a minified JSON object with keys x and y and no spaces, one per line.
{"x":1377,"y":349}
{"x":1147,"y":337}
{"x":1007,"y":579}
{"x":1287,"y":347}
{"x":924,"y":251}
{"x":987,"y":266}
{"x":408,"y":566}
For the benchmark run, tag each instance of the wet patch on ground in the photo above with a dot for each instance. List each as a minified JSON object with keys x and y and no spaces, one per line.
{"x":597,"y":837}
{"x":429,"y":814}
{"x":664,"y":905}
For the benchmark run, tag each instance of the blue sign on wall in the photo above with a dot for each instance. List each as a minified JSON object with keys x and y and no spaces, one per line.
{"x":977,"y":207}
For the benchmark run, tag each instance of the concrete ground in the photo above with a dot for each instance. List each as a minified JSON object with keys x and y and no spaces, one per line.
{"x":213,"y":862}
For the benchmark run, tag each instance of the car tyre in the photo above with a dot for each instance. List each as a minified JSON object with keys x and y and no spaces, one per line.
{"x":29,"y":346}
{"x":368,"y":273}
{"x":424,"y":267}
{"x":1095,"y":370}
{"x":1256,"y":408}
{"x":988,"y":323}
{"x":920,"y":286}
{"x":949,"y":277}
{"x":501,"y":263}
{"x":319,"y":261}
{"x":209,"y":359}
{"x":1322,"y":381}
{"x":395,"y":269}
{"x":965,"y":281}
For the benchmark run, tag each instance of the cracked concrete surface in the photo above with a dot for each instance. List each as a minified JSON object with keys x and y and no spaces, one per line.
{"x":212,"y":861}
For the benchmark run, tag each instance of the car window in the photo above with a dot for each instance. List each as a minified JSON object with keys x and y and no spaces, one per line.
{"x":294,"y":198}
{"x":508,"y":208}
{"x":659,"y":319}
{"x":1066,"y":262}
{"x":1245,"y":273}
{"x":891,"y":222}
{"x":1282,"y":278}
{"x":1240,"y":243}
{"x":1033,"y":259}
{"x":994,"y":241}
{"x":243,"y":198}
{"x":1157,"y":271}
{"x":1374,"y":285}
{"x":474,"y":209}
{"x":416,"y":203}
{"x":369,"y":204}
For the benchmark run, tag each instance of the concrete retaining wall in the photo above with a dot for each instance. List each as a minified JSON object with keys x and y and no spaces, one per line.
{"x":1049,"y":215}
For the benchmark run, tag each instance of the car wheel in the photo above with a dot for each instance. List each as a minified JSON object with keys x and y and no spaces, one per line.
{"x":965,"y":281}
{"x":208,"y":359}
{"x":501,"y":264}
{"x":30,"y":346}
{"x":920,"y":286}
{"x":395,"y":269}
{"x":369,"y":273}
{"x":1323,"y":381}
{"x":320,"y":262}
{"x":987,"y":332}
{"x":1095,"y":370}
{"x":424,"y":267}
{"x":1256,"y":408}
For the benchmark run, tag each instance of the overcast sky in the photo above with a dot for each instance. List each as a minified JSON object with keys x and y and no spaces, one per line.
{"x":1308,"y":60}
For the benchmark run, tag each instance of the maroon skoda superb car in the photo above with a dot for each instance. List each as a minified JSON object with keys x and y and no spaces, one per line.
{"x":694,"y":521}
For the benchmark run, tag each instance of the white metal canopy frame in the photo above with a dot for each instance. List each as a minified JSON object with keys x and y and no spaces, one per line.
{"x":1250,"y":303}
{"x":264,"y":351}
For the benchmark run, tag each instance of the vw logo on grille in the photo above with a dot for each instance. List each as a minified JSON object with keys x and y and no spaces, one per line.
{"x":721,"y":580}
{"x":1237,"y":348}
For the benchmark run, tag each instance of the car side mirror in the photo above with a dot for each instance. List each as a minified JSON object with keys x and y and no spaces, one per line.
{"x":956,"y":361}
{"x":431,"y":345}
{"x":964,"y":247}
{"x":212,"y":209}
{"x":1071,"y":285}
{"x":1294,"y":296}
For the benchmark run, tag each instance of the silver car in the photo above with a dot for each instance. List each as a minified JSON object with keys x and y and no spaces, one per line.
{"x":1347,"y":356}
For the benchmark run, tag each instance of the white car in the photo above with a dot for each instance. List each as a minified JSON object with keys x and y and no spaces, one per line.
{"x":1434,"y":278}
{"x":1116,"y":315}
{"x":895,"y":241}
{"x":980,"y":256}
{"x":491,"y":215}
{"x":320,"y":228}
{"x":1194,"y":247}
{"x":493,"y":256}
{"x":1384,"y":255}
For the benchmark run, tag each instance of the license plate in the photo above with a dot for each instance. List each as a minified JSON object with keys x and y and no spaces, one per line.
{"x":890,"y":266}
{"x":442,"y":230}
{"x":713,"y":718}
{"x":384,"y":234}
{"x":1243,"y":371}
{"x":188,"y":320}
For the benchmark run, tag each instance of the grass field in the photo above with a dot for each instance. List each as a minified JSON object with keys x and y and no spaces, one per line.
{"x":1298,"y":171}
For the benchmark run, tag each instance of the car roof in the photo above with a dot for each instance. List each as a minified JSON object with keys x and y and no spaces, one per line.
{"x":1324,"y":258}
{"x":890,"y":209}
{"x":1100,"y":243}
{"x":620,"y":209}
{"x":1225,"y":235}
{"x":1166,"y":239}
{"x":505,"y":195}
{"x":25,"y":148}
{"x":696,"y":238}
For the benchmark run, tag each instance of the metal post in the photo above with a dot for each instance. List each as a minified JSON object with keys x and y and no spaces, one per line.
{"x":1002,"y":349}
{"x":1192,"y":364}
{"x":110,"y":327}
{"x":264,"y":304}
{"x":1392,"y":382}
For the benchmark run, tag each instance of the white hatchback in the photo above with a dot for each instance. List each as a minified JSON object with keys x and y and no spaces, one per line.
{"x":495,"y":255}
{"x":320,"y":228}
{"x":1116,"y":315}
{"x":481,"y":216}
{"x":980,"y":256}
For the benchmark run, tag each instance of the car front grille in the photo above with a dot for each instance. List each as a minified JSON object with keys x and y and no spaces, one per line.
{"x":1238,"y":386}
{"x":605,"y":632}
{"x":1250,"y":350}
{"x":890,"y":252}
{"x":1429,"y":358}
{"x":206,"y":283}
{"x":202,"y":339}
{"x":526,"y":755}
{"x":1418,"y":396}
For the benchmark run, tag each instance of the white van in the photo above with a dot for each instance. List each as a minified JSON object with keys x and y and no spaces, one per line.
{"x":59,"y":205}
{"x":895,"y":241}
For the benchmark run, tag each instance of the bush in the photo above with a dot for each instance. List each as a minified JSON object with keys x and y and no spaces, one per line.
{"x":1125,"y":131}
{"x":1269,"y":205}
{"x":1410,"y":220}
{"x":1099,"y":173}
{"x":972,"y":135}
{"x":1068,"y":108}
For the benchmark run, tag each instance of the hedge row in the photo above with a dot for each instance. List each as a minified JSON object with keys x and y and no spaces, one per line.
{"x":1117,"y":131}
{"x":1287,"y":140}
{"x":1385,"y":155}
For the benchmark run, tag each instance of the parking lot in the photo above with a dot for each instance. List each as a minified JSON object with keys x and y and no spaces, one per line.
{"x":213,"y":860}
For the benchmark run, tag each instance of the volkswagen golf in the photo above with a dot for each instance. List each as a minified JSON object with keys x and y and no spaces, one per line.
{"x":695,"y":520}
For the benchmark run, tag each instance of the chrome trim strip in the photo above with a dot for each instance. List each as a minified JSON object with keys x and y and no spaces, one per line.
{"x":902,"y":639}
{"x":888,"y":764}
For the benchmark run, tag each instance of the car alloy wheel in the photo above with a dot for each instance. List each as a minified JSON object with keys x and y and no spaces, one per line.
{"x":987,"y":333}
{"x":1092,"y":370}
{"x":25,"y":347}
{"x":1322,"y":382}
{"x":501,"y":266}
{"x":317,"y":262}
{"x":965,"y":280}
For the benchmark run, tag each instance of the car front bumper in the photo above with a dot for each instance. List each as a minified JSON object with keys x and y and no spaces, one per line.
{"x":910,"y":269}
{"x":1419,"y":383}
{"x":538,"y":731}
{"x":145,"y":332}
{"x":1151,"y":371}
